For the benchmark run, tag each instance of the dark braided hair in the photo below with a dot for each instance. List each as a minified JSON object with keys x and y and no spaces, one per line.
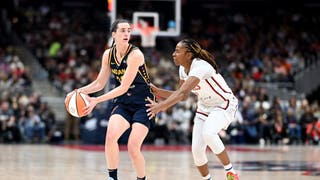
{"x":197,"y":52}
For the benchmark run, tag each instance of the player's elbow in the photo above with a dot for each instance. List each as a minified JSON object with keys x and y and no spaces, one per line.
{"x":99,"y":85}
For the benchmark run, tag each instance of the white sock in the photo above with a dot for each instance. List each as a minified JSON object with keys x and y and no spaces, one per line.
{"x":229,"y":168}
{"x":207,"y":177}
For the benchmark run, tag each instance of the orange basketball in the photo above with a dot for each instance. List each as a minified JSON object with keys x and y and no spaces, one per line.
{"x":75,"y":103}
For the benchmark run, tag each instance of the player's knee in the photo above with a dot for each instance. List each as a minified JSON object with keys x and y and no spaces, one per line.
{"x":214,"y":141}
{"x":133,"y":149}
{"x":111,"y":137}
{"x":199,"y":156}
{"x":200,"y":161}
{"x":196,"y":150}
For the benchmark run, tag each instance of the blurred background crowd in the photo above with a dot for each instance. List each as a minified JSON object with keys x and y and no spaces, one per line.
{"x":262,"y":51}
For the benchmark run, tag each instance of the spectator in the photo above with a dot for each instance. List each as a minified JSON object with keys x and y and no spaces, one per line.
{"x":313,"y":132}
{"x":250,"y":122}
{"x":294,"y":127}
{"x":278,"y":129}
{"x":48,"y":117}
{"x":9,"y":131}
{"x":263,"y":126}
{"x":34,"y":128}
{"x":306,"y":118}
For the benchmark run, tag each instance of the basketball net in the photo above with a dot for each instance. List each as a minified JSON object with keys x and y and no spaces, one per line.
{"x":148,"y":34}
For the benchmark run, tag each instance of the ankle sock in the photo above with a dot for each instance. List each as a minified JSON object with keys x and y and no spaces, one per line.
{"x":113,"y":173}
{"x":207,"y":177}
{"x":229,"y":168}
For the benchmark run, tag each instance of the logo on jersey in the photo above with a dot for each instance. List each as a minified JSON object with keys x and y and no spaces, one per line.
{"x":118,"y":73}
{"x":206,"y":98}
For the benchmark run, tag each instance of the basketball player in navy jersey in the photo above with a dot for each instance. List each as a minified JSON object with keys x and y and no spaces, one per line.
{"x":216,"y":103}
{"x":126,"y":62}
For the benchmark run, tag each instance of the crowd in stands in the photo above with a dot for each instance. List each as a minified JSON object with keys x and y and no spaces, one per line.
{"x":250,"y":50}
{"x":24,"y":117}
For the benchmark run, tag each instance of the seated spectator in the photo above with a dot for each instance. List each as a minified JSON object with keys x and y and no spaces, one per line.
{"x":48,"y":117}
{"x":306,"y":118}
{"x":9,"y":131}
{"x":313,"y":132}
{"x":250,"y":122}
{"x":34,"y":128}
{"x":279,"y":130}
{"x":263,"y":126}
{"x":294,"y":127}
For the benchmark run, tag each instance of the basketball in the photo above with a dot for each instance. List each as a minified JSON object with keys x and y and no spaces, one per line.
{"x":75,"y":103}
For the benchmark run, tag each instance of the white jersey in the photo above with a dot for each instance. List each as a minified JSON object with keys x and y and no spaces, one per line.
{"x":212,"y":90}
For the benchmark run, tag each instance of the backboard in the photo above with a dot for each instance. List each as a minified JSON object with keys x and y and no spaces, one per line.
{"x":165,"y":14}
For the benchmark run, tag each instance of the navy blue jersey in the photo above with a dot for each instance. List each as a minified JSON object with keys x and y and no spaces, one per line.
{"x":139,"y":89}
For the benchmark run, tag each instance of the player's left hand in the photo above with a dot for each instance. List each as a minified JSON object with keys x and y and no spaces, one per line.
{"x":92,"y":103}
{"x":153,"y":109}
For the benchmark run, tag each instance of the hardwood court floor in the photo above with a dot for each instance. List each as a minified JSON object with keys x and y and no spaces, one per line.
{"x":49,"y":162}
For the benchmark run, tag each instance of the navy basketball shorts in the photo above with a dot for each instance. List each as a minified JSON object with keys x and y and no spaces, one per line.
{"x":134,"y":113}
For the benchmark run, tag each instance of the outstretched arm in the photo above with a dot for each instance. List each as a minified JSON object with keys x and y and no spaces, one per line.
{"x":163,"y":92}
{"x":178,"y":95}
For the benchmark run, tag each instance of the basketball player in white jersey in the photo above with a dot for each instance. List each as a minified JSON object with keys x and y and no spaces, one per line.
{"x":217,"y":105}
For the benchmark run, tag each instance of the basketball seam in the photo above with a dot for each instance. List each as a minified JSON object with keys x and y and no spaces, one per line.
{"x":77,"y":103}
{"x":73,"y":98}
{"x":83,"y":100}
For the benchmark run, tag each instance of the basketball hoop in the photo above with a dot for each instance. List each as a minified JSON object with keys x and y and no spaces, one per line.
{"x":148,"y":33}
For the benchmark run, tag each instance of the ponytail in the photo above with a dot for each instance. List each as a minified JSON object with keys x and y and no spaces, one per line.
{"x":197,"y":52}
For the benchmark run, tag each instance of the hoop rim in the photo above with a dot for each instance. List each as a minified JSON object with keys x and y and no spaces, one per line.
{"x":145,"y":31}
